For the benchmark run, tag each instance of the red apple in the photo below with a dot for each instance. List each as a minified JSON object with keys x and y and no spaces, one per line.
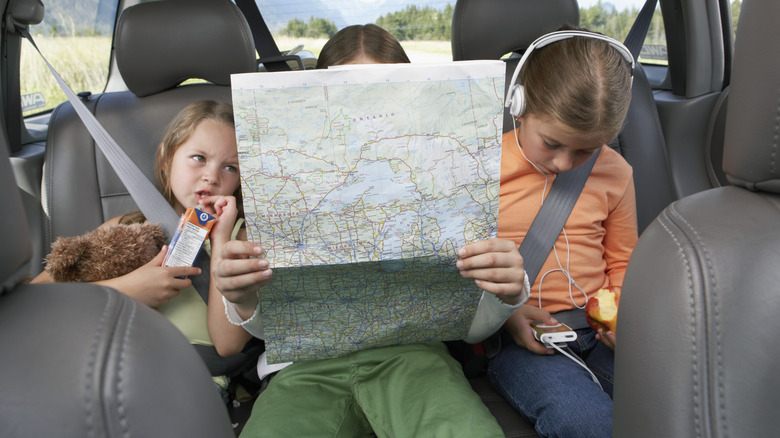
{"x":601,"y":309}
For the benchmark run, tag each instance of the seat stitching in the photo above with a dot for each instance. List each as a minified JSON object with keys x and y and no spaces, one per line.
{"x":663,"y":218}
{"x":773,"y":152}
{"x":90,"y":369}
{"x":717,"y":323}
{"x":120,"y":393}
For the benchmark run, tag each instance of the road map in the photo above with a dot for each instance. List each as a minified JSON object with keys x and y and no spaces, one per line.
{"x":361,"y":183}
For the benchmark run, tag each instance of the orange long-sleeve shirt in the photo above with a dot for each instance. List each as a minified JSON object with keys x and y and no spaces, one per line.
{"x":601,"y":229}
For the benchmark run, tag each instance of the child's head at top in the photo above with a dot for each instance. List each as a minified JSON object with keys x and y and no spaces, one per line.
{"x":197,"y":157}
{"x":582,"y":82}
{"x":361,"y":44}
{"x":580,"y":89}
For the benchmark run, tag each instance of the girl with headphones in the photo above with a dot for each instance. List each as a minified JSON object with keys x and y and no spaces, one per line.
{"x":568,"y":96}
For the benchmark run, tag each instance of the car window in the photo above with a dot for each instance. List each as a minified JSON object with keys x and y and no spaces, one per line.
{"x":75,"y":37}
{"x":736,"y":8}
{"x":424,"y":27}
{"x":615,"y":19}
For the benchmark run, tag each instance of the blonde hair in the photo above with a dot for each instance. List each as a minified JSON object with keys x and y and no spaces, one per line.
{"x":584,"y":83}
{"x":179,"y":130}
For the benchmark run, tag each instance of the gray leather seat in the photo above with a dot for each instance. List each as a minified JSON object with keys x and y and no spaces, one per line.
{"x":479,"y":32}
{"x":80,"y":360}
{"x":157,"y":46}
{"x":698,"y":322}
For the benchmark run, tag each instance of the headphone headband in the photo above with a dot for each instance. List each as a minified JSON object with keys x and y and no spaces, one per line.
{"x":558,"y":36}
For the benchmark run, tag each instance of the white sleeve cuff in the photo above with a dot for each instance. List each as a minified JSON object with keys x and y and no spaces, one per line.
{"x":492,"y":313}
{"x":253,"y":325}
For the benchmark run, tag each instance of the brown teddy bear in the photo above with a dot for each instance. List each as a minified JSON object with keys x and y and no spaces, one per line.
{"x":107,"y":252}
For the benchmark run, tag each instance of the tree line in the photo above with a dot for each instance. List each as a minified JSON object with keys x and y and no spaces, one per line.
{"x":426,"y":23}
{"x":412,"y":23}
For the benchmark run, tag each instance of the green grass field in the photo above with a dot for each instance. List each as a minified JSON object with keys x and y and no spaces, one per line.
{"x":81,"y":61}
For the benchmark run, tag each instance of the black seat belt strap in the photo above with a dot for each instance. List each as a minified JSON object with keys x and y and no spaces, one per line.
{"x":546,"y":227}
{"x":270,"y":56}
{"x":555,"y":210}
{"x":636,"y":36}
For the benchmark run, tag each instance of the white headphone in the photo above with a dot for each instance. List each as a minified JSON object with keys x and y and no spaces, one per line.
{"x":515,"y":96}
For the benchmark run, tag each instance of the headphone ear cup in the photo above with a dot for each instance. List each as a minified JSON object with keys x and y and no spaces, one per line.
{"x":517,"y":101}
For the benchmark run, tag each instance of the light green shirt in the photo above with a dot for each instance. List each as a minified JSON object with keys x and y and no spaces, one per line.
{"x":187,"y":311}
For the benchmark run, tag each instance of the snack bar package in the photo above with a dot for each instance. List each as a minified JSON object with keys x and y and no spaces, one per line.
{"x":192,"y":231}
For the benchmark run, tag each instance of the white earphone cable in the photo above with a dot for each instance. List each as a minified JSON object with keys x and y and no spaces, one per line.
{"x":578,"y":361}
{"x":564,"y":271}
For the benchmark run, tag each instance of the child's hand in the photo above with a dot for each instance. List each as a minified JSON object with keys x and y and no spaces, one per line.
{"x":519,"y":326}
{"x":214,"y":205}
{"x":238,"y":271}
{"x":607,"y":338}
{"x":226,"y":212}
{"x":496,"y":266}
{"x":152,"y":284}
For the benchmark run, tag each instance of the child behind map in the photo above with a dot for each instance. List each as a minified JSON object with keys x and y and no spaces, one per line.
{"x":361,"y":44}
{"x":404,"y":390}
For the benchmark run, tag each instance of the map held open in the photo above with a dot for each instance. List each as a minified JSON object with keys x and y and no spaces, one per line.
{"x":361,"y":183}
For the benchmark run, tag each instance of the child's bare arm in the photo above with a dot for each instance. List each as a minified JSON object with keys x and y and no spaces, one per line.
{"x":150,"y":284}
{"x":228,"y":338}
{"x":153,"y":284}
{"x":239,"y":271}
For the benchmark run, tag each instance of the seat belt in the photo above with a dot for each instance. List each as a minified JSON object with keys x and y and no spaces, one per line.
{"x":534,"y":248}
{"x":150,"y":201}
{"x":270,"y":56}
{"x":555,"y":210}
{"x":638,"y":32}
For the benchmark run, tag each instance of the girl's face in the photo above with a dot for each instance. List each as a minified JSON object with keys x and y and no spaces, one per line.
{"x":553,"y":146}
{"x":206,"y":164}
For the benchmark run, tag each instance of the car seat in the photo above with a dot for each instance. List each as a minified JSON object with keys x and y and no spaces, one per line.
{"x":698,"y":321}
{"x":490,"y":29}
{"x":157,"y":46}
{"x":83,"y":360}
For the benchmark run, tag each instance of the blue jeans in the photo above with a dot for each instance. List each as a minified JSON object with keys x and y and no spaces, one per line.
{"x":554,"y":393}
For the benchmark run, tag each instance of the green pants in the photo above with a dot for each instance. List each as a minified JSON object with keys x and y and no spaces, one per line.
{"x":401,"y":391}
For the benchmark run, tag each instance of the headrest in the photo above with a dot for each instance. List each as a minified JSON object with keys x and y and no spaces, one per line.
{"x":25,"y":13}
{"x":160,"y":44}
{"x":751,"y":150}
{"x":489,"y":29}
